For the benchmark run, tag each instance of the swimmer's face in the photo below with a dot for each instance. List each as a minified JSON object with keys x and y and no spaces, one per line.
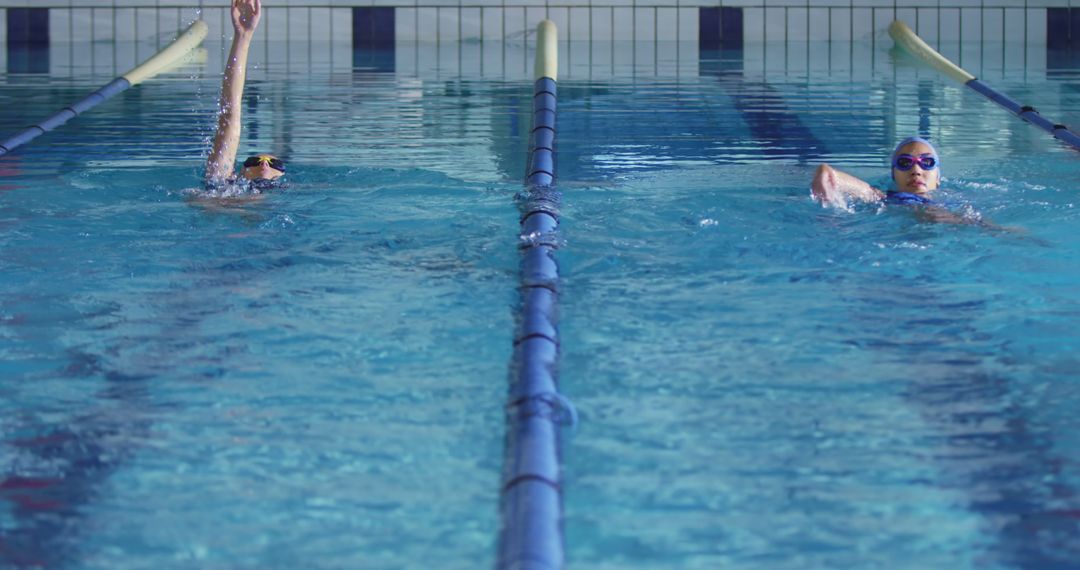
{"x":916,"y":180}
{"x":260,"y":168}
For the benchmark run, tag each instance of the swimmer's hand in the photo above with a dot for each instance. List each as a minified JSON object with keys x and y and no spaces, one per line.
{"x":245,"y":15}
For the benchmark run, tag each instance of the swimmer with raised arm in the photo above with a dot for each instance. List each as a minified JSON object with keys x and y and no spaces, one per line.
{"x":914,"y":171}
{"x":261,"y":169}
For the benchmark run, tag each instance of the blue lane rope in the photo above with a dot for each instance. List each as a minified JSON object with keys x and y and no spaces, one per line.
{"x":531,"y":537}
{"x":62,"y":116}
{"x":910,"y":41}
{"x":162,"y":60}
{"x":1027,"y":113}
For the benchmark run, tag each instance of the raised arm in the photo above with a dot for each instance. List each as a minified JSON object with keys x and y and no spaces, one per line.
{"x":832,"y":187}
{"x":220,"y":163}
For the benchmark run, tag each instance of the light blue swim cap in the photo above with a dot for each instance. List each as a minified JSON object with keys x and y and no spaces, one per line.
{"x":910,"y":140}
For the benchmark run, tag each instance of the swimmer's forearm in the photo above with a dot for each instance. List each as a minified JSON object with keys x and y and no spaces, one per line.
{"x":832,"y":186}
{"x":857,"y":188}
{"x":219,"y":164}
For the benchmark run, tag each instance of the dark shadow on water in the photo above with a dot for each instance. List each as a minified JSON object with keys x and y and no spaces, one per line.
{"x":374,"y":59}
{"x":27,"y":58}
{"x":59,"y":469}
{"x":1005,"y":465}
{"x":1063,"y":62}
{"x":55,"y":470}
{"x":983,"y":440}
{"x":780,"y":131}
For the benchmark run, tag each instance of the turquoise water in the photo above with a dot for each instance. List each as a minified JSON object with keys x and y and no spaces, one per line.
{"x":316,"y":379}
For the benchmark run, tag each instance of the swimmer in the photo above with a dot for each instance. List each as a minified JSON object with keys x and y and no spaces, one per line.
{"x":916,"y":173}
{"x":261,"y":170}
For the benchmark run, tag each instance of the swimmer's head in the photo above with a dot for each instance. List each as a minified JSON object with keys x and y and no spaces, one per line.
{"x":263,"y":166}
{"x":915,"y":166}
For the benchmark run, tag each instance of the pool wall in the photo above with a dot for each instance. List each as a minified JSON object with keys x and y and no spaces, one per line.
{"x":670,"y":37}
{"x":1038,"y":22}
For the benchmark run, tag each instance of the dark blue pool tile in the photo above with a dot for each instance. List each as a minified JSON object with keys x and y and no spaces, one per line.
{"x":28,"y":40}
{"x":1074,"y":27}
{"x":1057,"y":27}
{"x":373,"y":38}
{"x":709,"y":28}
{"x":28,"y":58}
{"x":373,"y":27}
{"x":731,"y":28}
{"x":720,"y":28}
{"x":27,"y":26}
{"x":1062,"y":39}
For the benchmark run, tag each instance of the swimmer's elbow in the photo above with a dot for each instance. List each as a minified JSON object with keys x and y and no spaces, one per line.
{"x":215,"y":172}
{"x":823,"y":186}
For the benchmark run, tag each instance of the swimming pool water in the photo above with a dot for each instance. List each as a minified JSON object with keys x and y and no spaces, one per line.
{"x":316,"y":379}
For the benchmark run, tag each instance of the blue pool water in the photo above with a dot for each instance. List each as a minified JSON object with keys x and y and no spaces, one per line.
{"x":316,"y":379}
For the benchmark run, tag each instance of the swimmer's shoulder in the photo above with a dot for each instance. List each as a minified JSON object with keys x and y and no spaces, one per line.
{"x":242,"y":186}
